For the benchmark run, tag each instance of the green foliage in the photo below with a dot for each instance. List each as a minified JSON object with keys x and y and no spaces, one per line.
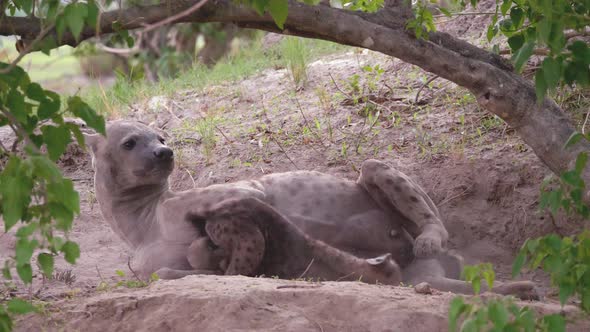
{"x":423,"y":21}
{"x":34,"y":196}
{"x":474,"y":274}
{"x":495,"y":314}
{"x":566,"y":259}
{"x":499,"y":315}
{"x":127,"y":283}
{"x":543,"y":24}
{"x":32,"y":189}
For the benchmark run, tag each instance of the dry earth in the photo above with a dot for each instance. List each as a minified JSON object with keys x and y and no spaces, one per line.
{"x":483,"y":178}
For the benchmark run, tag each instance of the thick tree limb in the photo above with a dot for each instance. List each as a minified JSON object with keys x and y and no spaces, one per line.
{"x":544,"y":127}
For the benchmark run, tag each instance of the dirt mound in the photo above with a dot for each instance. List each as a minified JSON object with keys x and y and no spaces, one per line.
{"x":213,"y":303}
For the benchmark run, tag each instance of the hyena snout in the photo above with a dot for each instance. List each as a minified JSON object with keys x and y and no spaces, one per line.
{"x":163,"y":153}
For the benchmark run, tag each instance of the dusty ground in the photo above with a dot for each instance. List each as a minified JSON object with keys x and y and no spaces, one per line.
{"x":483,"y":178}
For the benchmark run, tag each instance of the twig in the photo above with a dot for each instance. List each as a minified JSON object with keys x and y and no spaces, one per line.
{"x":466,"y":14}
{"x":454,"y":197}
{"x":132,"y":271}
{"x":423,"y":86}
{"x":222,"y":134}
{"x":584,"y":125}
{"x":298,"y":286}
{"x":173,"y":18}
{"x":99,"y":274}
{"x":307,"y":122}
{"x":122,"y":51}
{"x":554,"y":223}
{"x":189,"y":174}
{"x":28,"y":48}
{"x":274,"y":139}
{"x":345,"y":276}
{"x":283,"y":150}
{"x":537,"y":51}
{"x":306,"y":269}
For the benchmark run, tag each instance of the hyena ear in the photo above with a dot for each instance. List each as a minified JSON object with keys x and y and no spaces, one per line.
{"x":93,"y":141}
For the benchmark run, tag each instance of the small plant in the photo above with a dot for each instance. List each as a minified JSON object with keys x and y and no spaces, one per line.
{"x":206,"y":128}
{"x":127,"y":283}
{"x":495,"y":314}
{"x":66,"y":276}
{"x":296,"y":57}
{"x":499,"y":315}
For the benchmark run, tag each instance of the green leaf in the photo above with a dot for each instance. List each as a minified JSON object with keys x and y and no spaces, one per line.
{"x":571,"y":178}
{"x":46,"y":263}
{"x":581,"y":162}
{"x":57,"y":139}
{"x":18,"y":306}
{"x":498,"y":314}
{"x":16,"y":77}
{"x":554,"y":323}
{"x":470,"y":325}
{"x":515,"y":42}
{"x":517,"y":17}
{"x":120,"y":273}
{"x":491,"y":32}
{"x":574,"y":138}
{"x":77,"y":133}
{"x":580,"y":51}
{"x":490,"y":277}
{"x":544,"y":30}
{"x":519,"y":262}
{"x":278,"y":9}
{"x":15,"y":102}
{"x":86,"y":113}
{"x":45,"y":168}
{"x":506,"y":4}
{"x":540,"y":85}
{"x":445,"y":11}
{"x":456,"y":307}
{"x":60,"y":26}
{"x":63,"y":216}
{"x":47,"y":108}
{"x":24,"y":250}
{"x":523,"y":54}
{"x":551,"y":72}
{"x":93,"y":11}
{"x":71,"y":251}
{"x":566,"y":290}
{"x":26,"y":231}
{"x":35,"y":92}
{"x":63,"y":192}
{"x":75,"y":15}
{"x":25,"y":272}
{"x":5,"y":321}
{"x":15,"y":192}
{"x":6,"y":271}
{"x":260,"y":6}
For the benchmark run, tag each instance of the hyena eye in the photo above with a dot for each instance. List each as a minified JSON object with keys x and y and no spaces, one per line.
{"x":162,"y":140}
{"x":130,"y":144}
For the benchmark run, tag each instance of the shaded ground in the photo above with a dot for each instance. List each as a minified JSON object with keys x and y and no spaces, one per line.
{"x":483,"y":178}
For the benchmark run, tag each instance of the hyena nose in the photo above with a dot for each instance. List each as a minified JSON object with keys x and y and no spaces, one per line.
{"x":163,"y":153}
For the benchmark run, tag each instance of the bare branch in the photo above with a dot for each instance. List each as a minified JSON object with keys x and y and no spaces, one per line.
{"x":176,"y":17}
